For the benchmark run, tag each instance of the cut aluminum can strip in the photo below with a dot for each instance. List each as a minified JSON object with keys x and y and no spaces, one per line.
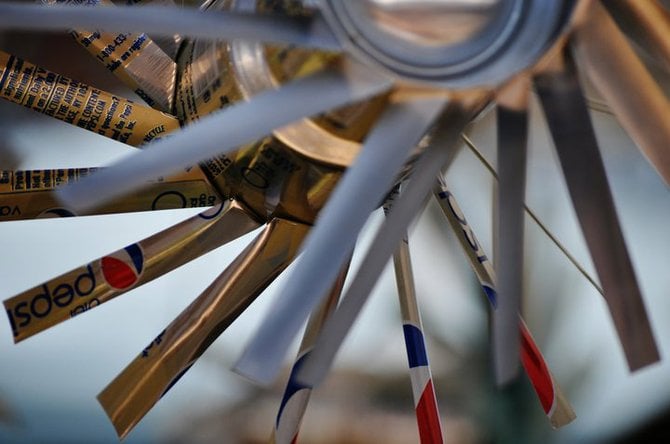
{"x":605,"y":55}
{"x":112,"y":275}
{"x":89,"y":108}
{"x":577,"y":148}
{"x":169,"y":44}
{"x":79,"y":104}
{"x":512,"y":124}
{"x":554,"y":403}
{"x":454,"y":118}
{"x":167,"y":358}
{"x":132,"y":57}
{"x":296,"y":396}
{"x":369,"y":179}
{"x":30,"y":194}
{"x":425,"y":401}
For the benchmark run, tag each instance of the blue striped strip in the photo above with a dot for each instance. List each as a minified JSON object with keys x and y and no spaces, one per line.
{"x":292,"y":386}
{"x":416,"y":349}
{"x":491,"y":294}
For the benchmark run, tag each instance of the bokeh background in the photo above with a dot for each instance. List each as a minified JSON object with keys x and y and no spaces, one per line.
{"x":48,"y":383}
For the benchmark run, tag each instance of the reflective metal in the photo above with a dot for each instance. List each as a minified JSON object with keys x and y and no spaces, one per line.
{"x":31,"y":194}
{"x":335,"y":137}
{"x":442,"y":22}
{"x":577,"y":148}
{"x":448,"y":43}
{"x":153,"y":372}
{"x":291,"y":173}
{"x":158,"y":255}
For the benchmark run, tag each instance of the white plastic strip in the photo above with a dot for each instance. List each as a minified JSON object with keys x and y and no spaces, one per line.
{"x":328,"y":246}
{"x":225,"y":131}
{"x":390,"y":233}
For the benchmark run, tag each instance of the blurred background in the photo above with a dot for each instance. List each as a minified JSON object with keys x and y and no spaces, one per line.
{"x":48,"y":384}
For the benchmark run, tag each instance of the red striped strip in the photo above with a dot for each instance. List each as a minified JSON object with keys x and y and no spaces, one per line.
{"x":428,"y":418}
{"x":537,"y":370}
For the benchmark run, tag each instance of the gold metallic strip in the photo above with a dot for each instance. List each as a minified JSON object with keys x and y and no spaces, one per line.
{"x":647,"y":22}
{"x":133,"y":58}
{"x":633,"y":95}
{"x":31,"y":194}
{"x":79,"y":104}
{"x":14,"y":181}
{"x":107,"y":277}
{"x":89,"y":108}
{"x":132,"y":394}
{"x":41,"y":180}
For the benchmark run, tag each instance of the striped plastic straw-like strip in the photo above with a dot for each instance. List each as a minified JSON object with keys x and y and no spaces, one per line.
{"x":555,"y":405}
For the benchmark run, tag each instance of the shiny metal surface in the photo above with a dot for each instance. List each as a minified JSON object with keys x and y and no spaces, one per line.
{"x":577,"y":148}
{"x":161,"y":253}
{"x":454,"y":44}
{"x":291,"y":173}
{"x":32,"y":194}
{"x":276,"y":178}
{"x":153,"y":372}
{"x":442,"y":22}
{"x":605,"y":55}
{"x":258,"y":68}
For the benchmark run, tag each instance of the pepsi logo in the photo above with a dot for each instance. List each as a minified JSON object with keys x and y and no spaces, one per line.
{"x":122,"y":270}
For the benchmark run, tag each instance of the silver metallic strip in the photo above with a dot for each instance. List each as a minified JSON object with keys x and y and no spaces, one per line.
{"x":570,"y":126}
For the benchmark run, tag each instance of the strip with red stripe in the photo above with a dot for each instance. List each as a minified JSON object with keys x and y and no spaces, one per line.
{"x":428,"y":417}
{"x":537,"y":370}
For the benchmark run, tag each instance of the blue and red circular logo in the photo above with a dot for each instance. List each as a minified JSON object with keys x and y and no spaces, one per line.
{"x":122,"y":270}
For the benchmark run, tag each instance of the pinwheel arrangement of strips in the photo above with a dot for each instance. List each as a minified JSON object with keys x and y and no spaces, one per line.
{"x":275,"y":113}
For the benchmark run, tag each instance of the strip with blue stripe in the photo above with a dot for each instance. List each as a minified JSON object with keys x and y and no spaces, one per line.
{"x":293,"y":386}
{"x":416,"y":348}
{"x":491,"y":294}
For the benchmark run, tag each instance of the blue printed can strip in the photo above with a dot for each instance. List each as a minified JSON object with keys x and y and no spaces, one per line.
{"x":31,"y":194}
{"x":553,"y":402}
{"x":105,"y":278}
{"x":296,"y":395}
{"x":425,"y":401}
